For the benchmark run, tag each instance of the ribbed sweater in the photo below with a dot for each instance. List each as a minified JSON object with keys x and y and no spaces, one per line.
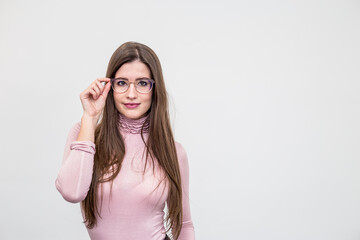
{"x":135,"y":208}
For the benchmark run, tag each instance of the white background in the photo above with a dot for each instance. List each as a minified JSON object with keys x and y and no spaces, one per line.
{"x":264,"y":98}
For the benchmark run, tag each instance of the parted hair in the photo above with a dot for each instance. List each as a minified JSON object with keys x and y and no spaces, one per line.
{"x":160,"y":144}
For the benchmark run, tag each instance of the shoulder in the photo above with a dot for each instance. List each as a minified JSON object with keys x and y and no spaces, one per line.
{"x":181,"y":154}
{"x":180,"y":149}
{"x":183,"y":162}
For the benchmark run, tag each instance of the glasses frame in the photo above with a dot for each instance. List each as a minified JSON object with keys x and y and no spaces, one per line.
{"x":148,"y":79}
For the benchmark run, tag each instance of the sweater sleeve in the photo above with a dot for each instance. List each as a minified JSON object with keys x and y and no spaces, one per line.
{"x":187,"y":230}
{"x":74,"y":178}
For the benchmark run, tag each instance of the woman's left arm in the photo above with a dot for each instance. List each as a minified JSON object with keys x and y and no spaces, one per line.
{"x":187,"y":230}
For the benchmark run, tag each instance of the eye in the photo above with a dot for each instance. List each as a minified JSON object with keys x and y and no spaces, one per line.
{"x":121,"y":83}
{"x":143,"y":83}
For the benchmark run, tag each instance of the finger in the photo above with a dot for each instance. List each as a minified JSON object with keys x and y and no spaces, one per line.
{"x":96,"y":89}
{"x":86,"y":93}
{"x":94,"y":94}
{"x":106,"y":89}
{"x":103,"y":80}
{"x":100,"y":86}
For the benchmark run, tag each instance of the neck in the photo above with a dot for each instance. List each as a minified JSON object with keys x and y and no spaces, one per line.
{"x":133,"y":126}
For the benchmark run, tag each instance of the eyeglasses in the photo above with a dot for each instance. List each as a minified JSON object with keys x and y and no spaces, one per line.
{"x":121,"y":85}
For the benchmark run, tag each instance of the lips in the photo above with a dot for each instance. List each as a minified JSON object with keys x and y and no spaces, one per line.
{"x":131,"y":105}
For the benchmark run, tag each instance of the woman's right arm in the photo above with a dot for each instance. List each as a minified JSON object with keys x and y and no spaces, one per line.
{"x":74,"y":178}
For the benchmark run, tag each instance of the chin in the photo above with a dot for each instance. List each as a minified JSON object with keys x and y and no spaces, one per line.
{"x":132,"y":115}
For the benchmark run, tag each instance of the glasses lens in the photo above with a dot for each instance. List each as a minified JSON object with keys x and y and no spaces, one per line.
{"x":120,"y":85}
{"x":143,"y":85}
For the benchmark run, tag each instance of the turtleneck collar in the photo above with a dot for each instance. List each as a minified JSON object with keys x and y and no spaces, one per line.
{"x":133,"y":125}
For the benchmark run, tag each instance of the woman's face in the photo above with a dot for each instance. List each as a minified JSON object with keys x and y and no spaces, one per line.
{"x":131,"y":103}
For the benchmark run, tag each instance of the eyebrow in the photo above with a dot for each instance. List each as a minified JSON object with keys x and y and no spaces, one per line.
{"x":140,"y":78}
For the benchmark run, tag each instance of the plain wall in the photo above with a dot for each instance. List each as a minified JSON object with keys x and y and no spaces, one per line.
{"x":264,"y":97}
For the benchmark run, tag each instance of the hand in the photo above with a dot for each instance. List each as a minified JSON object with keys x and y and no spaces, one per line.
{"x":93,"y":98}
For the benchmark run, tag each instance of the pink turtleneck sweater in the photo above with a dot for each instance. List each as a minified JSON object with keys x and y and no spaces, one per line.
{"x":135,"y":208}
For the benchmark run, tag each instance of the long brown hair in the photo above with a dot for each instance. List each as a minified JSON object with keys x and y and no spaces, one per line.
{"x":110,"y":148}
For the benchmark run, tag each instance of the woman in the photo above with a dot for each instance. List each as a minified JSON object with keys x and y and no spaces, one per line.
{"x":125,"y":167}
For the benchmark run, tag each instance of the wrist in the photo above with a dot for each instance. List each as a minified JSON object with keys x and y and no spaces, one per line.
{"x":90,"y":121}
{"x":87,"y":129}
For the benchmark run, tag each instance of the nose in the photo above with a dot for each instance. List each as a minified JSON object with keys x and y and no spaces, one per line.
{"x":131,"y":92}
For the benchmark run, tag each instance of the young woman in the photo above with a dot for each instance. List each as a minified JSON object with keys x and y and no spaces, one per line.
{"x":121,"y":161}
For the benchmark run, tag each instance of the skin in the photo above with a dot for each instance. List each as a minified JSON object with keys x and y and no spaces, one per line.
{"x":93,"y":98}
{"x":132,"y":71}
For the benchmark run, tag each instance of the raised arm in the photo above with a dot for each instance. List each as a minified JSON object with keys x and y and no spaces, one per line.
{"x":74,"y":178}
{"x":187,"y":230}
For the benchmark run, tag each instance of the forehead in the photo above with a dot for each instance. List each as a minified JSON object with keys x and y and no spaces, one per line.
{"x":133,"y":70}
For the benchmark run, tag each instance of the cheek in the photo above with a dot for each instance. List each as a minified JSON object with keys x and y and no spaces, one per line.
{"x":149,"y":99}
{"x":117,"y":99}
{"x":147,"y":102}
